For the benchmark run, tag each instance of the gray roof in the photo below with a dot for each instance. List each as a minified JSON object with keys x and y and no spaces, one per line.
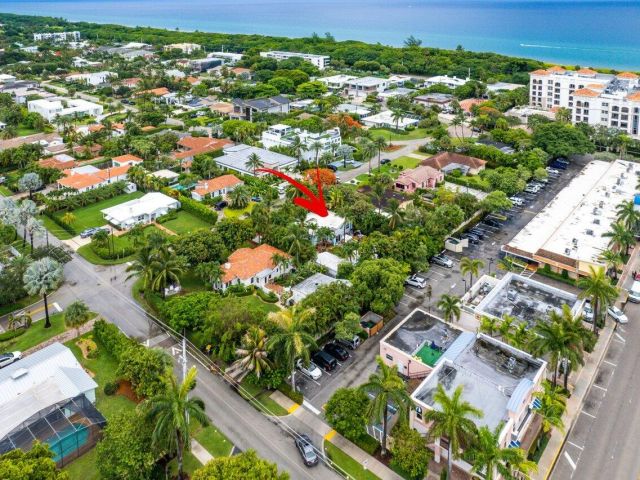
{"x":419,"y":329}
{"x":311,"y":284}
{"x":262,"y":103}
{"x":236,"y":156}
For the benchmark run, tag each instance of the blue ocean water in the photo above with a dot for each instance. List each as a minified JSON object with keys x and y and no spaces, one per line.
{"x":588,"y":33}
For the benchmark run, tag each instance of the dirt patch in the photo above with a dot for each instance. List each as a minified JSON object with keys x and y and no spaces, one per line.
{"x":86,"y":346}
{"x":125,"y":389}
{"x":393,"y":148}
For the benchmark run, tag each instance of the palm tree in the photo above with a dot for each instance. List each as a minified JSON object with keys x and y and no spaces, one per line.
{"x":450,"y":306}
{"x":471,"y":266}
{"x":598,"y":288}
{"x":613,"y":260}
{"x":368,"y":150}
{"x":142,"y":266}
{"x":395,"y":213}
{"x":508,"y":264}
{"x":381,"y":143}
{"x":452,"y":420}
{"x":298,"y":147}
{"x":627,"y":214}
{"x":506,"y":325}
{"x":336,"y":198}
{"x":167,"y":268}
{"x":252,"y":356}
{"x":552,"y":406}
{"x":240,"y":197}
{"x":209,"y":272}
{"x":387,"y":387}
{"x":620,"y":237}
{"x":172,"y":413}
{"x":40,"y":277}
{"x":489,"y":458}
{"x":397,"y":116}
{"x":489,"y":325}
{"x":293,"y":338}
{"x":76,"y":315}
{"x":316,"y":147}
{"x":254,"y":162}
{"x":68,"y":218}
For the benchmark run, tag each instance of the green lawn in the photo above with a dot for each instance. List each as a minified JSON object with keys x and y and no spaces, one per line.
{"x":36,"y":333}
{"x":5,"y":192}
{"x":406,"y":162}
{"x":347,"y":464}
{"x":393,"y":135}
{"x":120,"y":243}
{"x":186,"y":222}
{"x":90,"y":216}
{"x":84,"y":468}
{"x":264,"y":398}
{"x":54,"y":228}
{"x":19,"y":305}
{"x":213,"y":440}
{"x":255,"y":301}
{"x":235,"y":213}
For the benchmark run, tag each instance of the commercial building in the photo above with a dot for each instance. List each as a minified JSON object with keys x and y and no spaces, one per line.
{"x":187,"y":48}
{"x":57,"y":36}
{"x":140,"y":211}
{"x":71,"y":107}
{"x":594,"y":98}
{"x":236,"y":157}
{"x":253,"y":266}
{"x":567,"y":234}
{"x":320,"y":61}
{"x":215,"y":187}
{"x":285,"y":136}
{"x":94,"y":78}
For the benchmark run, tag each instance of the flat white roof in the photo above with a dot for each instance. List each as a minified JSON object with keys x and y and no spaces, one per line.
{"x":332,"y":220}
{"x":572,"y":224}
{"x":147,"y":204}
{"x":368,"y":81}
{"x":168,"y":174}
{"x":386,"y":118}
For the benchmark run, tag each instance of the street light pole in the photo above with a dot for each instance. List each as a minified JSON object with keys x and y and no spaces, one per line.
{"x":491,"y":259}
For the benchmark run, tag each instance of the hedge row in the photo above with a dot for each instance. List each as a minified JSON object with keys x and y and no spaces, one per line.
{"x":468,"y":182}
{"x":111,"y":338}
{"x":60,"y":223}
{"x":197,"y":209}
{"x":11,"y":334}
{"x":106,"y":254}
{"x":286,"y":389}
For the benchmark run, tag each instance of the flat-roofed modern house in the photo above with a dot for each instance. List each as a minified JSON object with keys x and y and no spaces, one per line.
{"x":253,"y":266}
{"x":93,"y":78}
{"x":566,"y":235}
{"x":339,"y":226}
{"x":363,"y":86}
{"x":284,"y":136}
{"x":336,"y":82}
{"x":320,"y":61}
{"x":385,"y":119}
{"x":440,"y":100}
{"x":215,"y":187}
{"x":140,"y":211}
{"x":48,"y":397}
{"x":66,"y":107}
{"x":236,"y":157}
{"x":446,"y":80}
{"x":246,"y":109}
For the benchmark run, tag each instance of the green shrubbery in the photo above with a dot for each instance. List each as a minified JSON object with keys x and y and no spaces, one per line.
{"x":11,"y":334}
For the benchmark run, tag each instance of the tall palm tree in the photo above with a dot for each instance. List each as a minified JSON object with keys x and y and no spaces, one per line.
{"x":471,"y":266}
{"x":252,"y":355}
{"x":620,"y":237}
{"x":552,"y":406}
{"x":254,"y":162}
{"x":293,"y":338}
{"x":298,"y":148}
{"x":40,"y":277}
{"x":210,"y":272}
{"x":489,"y":458}
{"x":172,"y":412}
{"x":316,"y":147}
{"x":240,"y":197}
{"x":489,"y":325}
{"x":368,"y":150}
{"x":167,"y":268}
{"x":598,"y":288}
{"x":451,"y":420}
{"x":395,"y":213}
{"x":381,"y":143}
{"x":387,"y":387}
{"x":397,"y":116}
{"x":450,"y":306}
{"x":627,"y":214}
{"x":142,"y":266}
{"x":613,"y":261}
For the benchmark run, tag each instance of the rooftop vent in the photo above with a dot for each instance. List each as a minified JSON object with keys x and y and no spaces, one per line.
{"x":590,"y":232}
{"x":574,"y":241}
{"x":596,"y":221}
{"x":601,"y":204}
{"x":511,"y":364}
{"x":21,"y":372}
{"x":567,"y":251}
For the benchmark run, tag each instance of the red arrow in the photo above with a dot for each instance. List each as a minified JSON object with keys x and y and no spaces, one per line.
{"x":314,"y":203}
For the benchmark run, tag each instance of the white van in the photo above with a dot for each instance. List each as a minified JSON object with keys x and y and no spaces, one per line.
{"x":634,"y":292}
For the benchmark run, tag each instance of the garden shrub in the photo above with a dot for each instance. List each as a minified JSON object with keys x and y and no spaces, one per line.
{"x":266,"y":297}
{"x":11,"y":334}
{"x":286,"y":389}
{"x":106,"y":254}
{"x":172,"y":215}
{"x":110,"y":388}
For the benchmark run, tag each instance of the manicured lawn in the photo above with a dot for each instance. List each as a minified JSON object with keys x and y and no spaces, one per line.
{"x":5,"y":192}
{"x":235,"y":213}
{"x":24,"y":131}
{"x":90,"y":216}
{"x":54,"y":228}
{"x":186,"y":222}
{"x":120,"y":243}
{"x":264,"y":398}
{"x":19,"y":305}
{"x":347,"y":464}
{"x":393,"y":135}
{"x":406,"y":162}
{"x":191,"y":464}
{"x":84,"y":468}
{"x":213,"y":440}
{"x":36,"y":333}
{"x":253,"y":301}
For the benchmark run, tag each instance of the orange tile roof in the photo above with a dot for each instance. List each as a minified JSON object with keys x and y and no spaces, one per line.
{"x":443,"y":159}
{"x":540,"y":72}
{"x":629,"y":75}
{"x":240,"y":70}
{"x":587,"y":71}
{"x":96,"y":128}
{"x":131,"y":82}
{"x":127,"y":158}
{"x":245,"y":263}
{"x":118,"y":126}
{"x":199,"y":145}
{"x":53,"y":162}
{"x":556,"y":69}
{"x":80,"y":181}
{"x":585,"y":92}
{"x":634,"y":97}
{"x":193,"y":80}
{"x":597,"y":86}
{"x":113,"y":172}
{"x":158,"y":92}
{"x":470,"y":102}
{"x":205,"y":187}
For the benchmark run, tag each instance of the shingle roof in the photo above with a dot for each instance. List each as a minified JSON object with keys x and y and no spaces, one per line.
{"x":245,"y":263}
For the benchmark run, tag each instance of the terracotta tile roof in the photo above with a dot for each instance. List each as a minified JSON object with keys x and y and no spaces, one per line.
{"x":193,"y":80}
{"x":443,"y":159}
{"x":205,"y":187}
{"x":148,"y":128}
{"x":634,"y":97}
{"x":93,"y":149}
{"x":131,"y":82}
{"x":95,"y":128}
{"x":596,"y":86}
{"x":586,"y":92}
{"x":587,"y":71}
{"x":222,"y":107}
{"x":240,"y":70}
{"x":556,"y":69}
{"x":80,"y":181}
{"x":629,"y":75}
{"x":127,"y":158}
{"x":158,"y":92}
{"x":199,"y":145}
{"x":113,"y":172}
{"x":57,"y":163}
{"x":470,"y":102}
{"x":540,"y":72}
{"x":117,"y":126}
{"x":419,"y":175}
{"x":245,"y":263}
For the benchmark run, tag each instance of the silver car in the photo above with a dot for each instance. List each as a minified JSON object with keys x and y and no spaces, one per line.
{"x":443,"y":261}
{"x":311,"y":371}
{"x":618,"y":315}
{"x":415,"y":281}
{"x":9,"y":358}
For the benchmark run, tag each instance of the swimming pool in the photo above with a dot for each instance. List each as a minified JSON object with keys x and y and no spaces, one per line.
{"x":68,"y":441}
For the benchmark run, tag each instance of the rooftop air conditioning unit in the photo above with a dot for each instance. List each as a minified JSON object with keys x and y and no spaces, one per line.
{"x":596,"y":221}
{"x":589,"y":232}
{"x":607,"y":194}
{"x":601,"y":204}
{"x":567,"y":251}
{"x":575,"y":241}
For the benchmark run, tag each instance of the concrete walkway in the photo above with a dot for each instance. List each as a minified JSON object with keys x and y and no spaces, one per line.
{"x":201,"y":453}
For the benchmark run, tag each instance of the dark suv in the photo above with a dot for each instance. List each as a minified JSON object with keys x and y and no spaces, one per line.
{"x":324,"y":360}
{"x":307,"y":450}
{"x":336,"y":351}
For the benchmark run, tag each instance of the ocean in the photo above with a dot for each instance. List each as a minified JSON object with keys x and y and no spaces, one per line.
{"x":586,"y":33}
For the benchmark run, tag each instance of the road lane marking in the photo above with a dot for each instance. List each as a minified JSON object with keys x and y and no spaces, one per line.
{"x":588,"y":414}
{"x":609,"y":363}
{"x":577,"y":446}
{"x":571,"y":462}
{"x":57,"y":307}
{"x":598,"y":386}
{"x":620,"y":337}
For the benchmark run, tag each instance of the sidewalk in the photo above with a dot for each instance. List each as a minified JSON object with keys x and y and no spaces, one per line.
{"x":582,"y":381}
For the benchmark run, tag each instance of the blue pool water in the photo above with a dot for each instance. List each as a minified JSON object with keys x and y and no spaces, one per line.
{"x":68,"y":440}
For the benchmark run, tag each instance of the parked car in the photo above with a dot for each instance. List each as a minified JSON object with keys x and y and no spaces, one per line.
{"x":442,"y":260}
{"x":256,"y":199}
{"x":9,"y":358}
{"x":310,"y":370}
{"x":532,"y":189}
{"x":618,"y":315}
{"x":332,"y":168}
{"x":307,"y":450}
{"x":324,"y":360}
{"x":336,"y":351}
{"x":552,"y":171}
{"x":351,"y":344}
{"x":3,"y":179}
{"x":587,"y":311}
{"x":415,"y":281}
{"x":384,"y":161}
{"x":517,"y":201}
{"x":558,"y":165}
{"x":492,"y":223}
{"x":471,"y":237}
{"x":477,"y":232}
{"x":220,"y":205}
{"x":88,"y":232}
{"x":634,"y":292}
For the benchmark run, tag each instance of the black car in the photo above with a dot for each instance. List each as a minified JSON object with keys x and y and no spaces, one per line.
{"x":384,"y":161}
{"x":324,"y":360}
{"x":471,"y":237}
{"x":477,"y":232}
{"x":332,"y":167}
{"x":221,"y":205}
{"x":492,"y":223}
{"x":307,"y":450}
{"x":336,"y":351}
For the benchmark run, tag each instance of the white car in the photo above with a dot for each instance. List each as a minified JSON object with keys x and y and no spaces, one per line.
{"x":415,"y":281}
{"x":618,"y":315}
{"x":553,"y":171}
{"x":9,"y":358}
{"x":587,"y":311}
{"x":311,"y":371}
{"x":517,"y":201}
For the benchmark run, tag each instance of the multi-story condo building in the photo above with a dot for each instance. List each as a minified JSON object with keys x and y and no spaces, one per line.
{"x":187,"y":48}
{"x":320,"y":61}
{"x":594,"y":98}
{"x":57,"y":36}
{"x":284,"y":136}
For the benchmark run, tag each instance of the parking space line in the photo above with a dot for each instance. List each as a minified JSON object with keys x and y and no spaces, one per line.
{"x":620,"y":337}
{"x":438,"y":273}
{"x":588,"y":414}
{"x":598,"y":386}
{"x":571,"y":462}
{"x":573,"y":444}
{"x":310,"y":407}
{"x":609,"y":363}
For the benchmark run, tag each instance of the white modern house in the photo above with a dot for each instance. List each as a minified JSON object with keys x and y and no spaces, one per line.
{"x":339,"y":226}
{"x":141,"y":210}
{"x":51,"y":109}
{"x":320,"y":61}
{"x":285,"y":136}
{"x":336,"y":82}
{"x":363,"y":86}
{"x":446,"y":80}
{"x":93,"y":78}
{"x":236,"y":157}
{"x":385,"y":119}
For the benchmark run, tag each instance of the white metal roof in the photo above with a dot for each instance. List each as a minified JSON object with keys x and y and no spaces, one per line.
{"x":145,"y":205}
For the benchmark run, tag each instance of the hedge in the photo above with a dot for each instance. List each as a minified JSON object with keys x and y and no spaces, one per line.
{"x":105,"y":254}
{"x":266,"y":297}
{"x":172,"y":215}
{"x":60,"y":223}
{"x":11,"y":334}
{"x":470,"y":182}
{"x":111,"y":338}
{"x":191,"y":206}
{"x":286,"y":389}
